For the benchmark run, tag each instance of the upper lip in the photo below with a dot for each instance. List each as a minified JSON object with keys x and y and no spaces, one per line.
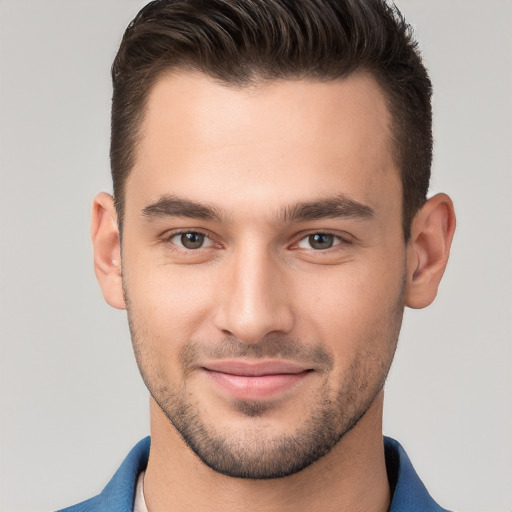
{"x":254,"y":368}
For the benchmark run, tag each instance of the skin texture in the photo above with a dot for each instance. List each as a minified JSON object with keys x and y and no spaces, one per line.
{"x":246,"y":178}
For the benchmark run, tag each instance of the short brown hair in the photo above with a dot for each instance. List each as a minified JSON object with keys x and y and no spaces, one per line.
{"x":239,"y":42}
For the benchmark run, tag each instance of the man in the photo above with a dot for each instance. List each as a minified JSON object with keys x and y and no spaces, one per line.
{"x":270,"y":163}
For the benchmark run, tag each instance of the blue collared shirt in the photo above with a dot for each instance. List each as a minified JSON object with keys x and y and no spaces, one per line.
{"x":409,"y":493}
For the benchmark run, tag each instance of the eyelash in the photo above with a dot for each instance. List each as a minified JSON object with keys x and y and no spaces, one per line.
{"x":168,"y":237}
{"x":341,"y":241}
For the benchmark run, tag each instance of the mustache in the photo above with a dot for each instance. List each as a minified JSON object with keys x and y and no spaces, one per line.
{"x":271,"y":347}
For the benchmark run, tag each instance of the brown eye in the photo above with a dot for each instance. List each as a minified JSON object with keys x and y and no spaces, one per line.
{"x":190,"y":240}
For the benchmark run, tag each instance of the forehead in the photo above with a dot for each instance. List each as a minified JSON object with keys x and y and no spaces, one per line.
{"x":285,"y":141}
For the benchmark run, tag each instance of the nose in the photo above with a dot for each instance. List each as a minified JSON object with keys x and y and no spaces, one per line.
{"x":255,"y":300}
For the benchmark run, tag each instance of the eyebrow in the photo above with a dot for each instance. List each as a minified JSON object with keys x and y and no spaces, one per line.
{"x":339,"y":206}
{"x":172,"y":206}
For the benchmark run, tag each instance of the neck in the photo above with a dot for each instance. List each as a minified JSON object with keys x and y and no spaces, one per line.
{"x":351,"y":477}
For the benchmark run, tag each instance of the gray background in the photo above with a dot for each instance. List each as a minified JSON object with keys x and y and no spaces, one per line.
{"x":72,"y":403}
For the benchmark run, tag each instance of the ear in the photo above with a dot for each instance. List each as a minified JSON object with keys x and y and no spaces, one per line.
{"x":428,"y":250}
{"x":107,"y":249}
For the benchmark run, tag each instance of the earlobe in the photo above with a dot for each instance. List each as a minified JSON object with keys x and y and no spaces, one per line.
{"x":428,"y":250}
{"x":107,"y":249}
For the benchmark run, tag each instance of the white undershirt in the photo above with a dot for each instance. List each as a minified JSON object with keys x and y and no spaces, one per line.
{"x":139,"y":504}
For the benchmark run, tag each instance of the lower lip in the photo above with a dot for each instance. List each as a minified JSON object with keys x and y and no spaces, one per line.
{"x":260,"y":387}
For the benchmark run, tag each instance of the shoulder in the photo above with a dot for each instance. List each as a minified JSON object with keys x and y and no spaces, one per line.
{"x":408,"y":490}
{"x":119,"y":493}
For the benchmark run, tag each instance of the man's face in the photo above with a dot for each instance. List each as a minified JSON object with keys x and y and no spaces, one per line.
{"x":264,"y":264}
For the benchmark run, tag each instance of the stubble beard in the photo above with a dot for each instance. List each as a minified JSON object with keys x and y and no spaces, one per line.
{"x":253,"y":453}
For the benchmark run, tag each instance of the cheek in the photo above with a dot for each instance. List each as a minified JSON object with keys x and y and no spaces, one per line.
{"x":164,"y":313}
{"x":354,"y":306}
{"x":170,"y":302}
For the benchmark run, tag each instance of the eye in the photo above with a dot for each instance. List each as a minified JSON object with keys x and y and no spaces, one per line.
{"x":191,"y":240}
{"x":319,"y":241}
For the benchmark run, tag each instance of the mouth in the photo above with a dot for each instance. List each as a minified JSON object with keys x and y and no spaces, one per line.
{"x":255,"y":380}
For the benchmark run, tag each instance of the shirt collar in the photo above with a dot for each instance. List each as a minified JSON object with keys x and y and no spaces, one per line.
{"x":407,"y":489}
